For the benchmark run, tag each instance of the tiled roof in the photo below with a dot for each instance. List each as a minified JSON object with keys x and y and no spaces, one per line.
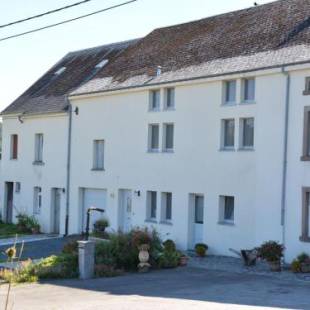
{"x":48,"y":94}
{"x":269,"y":35}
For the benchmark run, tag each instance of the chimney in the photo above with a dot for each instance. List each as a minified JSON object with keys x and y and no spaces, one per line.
{"x":158,"y":71}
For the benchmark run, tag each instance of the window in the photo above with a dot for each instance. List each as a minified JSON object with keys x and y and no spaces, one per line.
{"x":98,"y":157}
{"x":228,"y":135}
{"x":37,"y":200}
{"x":307,"y":87}
{"x":14,"y":146}
{"x":230,"y":92}
{"x":248,"y":90}
{"x":167,"y":207}
{"x":306,"y":137}
{"x":247,"y":132}
{"x":151,"y":205}
{"x":305,"y":222}
{"x":153,"y":138}
{"x":38,"y":154}
{"x":169,"y":98}
{"x":168,"y":137}
{"x":198,"y":209}
{"x":155,"y":100}
{"x":227,"y":209}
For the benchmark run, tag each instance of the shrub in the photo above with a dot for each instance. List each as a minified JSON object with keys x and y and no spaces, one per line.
{"x":296,"y":266}
{"x":169,"y":245}
{"x":201,"y":249}
{"x":100,"y":227}
{"x":303,"y":258}
{"x":22,"y":274}
{"x":139,"y":237}
{"x":70,"y":248}
{"x":271,"y":251}
{"x":169,"y":259}
{"x":27,"y":224}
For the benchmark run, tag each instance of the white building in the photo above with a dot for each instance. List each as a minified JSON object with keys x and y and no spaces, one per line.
{"x":199,"y":130}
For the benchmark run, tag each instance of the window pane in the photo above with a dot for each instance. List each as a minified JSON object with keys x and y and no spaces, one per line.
{"x":153,"y":204}
{"x":154,"y":137}
{"x":229,"y":208}
{"x":170,"y":98}
{"x":229,"y":133}
{"x":308,"y":134}
{"x":155,"y":99}
{"x":168,"y":206}
{"x":248,"y":132}
{"x":249,"y":89}
{"x":169,"y":136}
{"x":230,"y":91}
{"x":14,"y":146}
{"x":199,"y":209}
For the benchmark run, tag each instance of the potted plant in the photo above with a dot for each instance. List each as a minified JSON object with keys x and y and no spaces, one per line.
{"x":201,"y":249}
{"x":304,"y":260}
{"x":272,"y":252}
{"x":183,"y":260}
{"x":170,"y":257}
{"x":100,"y":227}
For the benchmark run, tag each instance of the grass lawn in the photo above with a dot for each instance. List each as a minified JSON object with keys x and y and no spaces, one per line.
{"x":8,"y":230}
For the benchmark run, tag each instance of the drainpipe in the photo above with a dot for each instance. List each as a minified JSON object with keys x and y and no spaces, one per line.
{"x":285,"y":151}
{"x":68,"y":166}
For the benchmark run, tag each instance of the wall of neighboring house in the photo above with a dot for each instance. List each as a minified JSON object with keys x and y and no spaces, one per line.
{"x":196,"y":165}
{"x":50,"y":174}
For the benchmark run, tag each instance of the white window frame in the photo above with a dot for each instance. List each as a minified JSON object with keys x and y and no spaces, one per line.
{"x":151,"y":100}
{"x":38,"y":148}
{"x":150,"y":138}
{"x":242,"y":133}
{"x":222,"y":209}
{"x":164,"y":147}
{"x":149,"y":196}
{"x":37,"y":200}
{"x":223,"y":135}
{"x":167,"y":91}
{"x":98,"y":161}
{"x":227,"y":102}
{"x":164,"y":206}
{"x":243,"y":87}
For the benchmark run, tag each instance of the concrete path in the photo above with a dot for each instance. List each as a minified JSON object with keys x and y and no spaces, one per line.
{"x":26,"y":238}
{"x":182,"y":288}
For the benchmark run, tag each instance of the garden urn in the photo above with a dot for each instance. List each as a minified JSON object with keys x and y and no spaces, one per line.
{"x":144,"y":257}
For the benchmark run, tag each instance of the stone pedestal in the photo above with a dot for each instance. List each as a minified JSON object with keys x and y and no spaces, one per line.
{"x":86,"y":259}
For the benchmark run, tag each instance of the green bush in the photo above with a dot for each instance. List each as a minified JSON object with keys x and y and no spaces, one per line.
{"x":169,"y":245}
{"x":303,"y":258}
{"x":100,"y":227}
{"x":296,"y":266}
{"x":70,"y":248}
{"x":201,"y":249}
{"x":27,"y":224}
{"x":271,"y":251}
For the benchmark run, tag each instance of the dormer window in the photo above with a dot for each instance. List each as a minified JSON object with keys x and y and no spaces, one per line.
{"x":307,"y":87}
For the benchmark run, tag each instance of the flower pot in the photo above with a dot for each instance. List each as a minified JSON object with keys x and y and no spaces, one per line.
{"x":183,"y":260}
{"x":305,"y":267}
{"x":275,"y":266}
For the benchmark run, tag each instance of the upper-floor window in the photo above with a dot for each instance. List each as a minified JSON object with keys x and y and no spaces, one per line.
{"x":169,"y":98}
{"x":248,"y":89}
{"x":228,"y":133}
{"x":153,"y":138}
{"x":37,"y":200}
{"x":151,"y":205}
{"x":38,"y":152}
{"x":247,"y":132}
{"x":154,"y":100}
{"x":230,"y":92}
{"x":98,"y":155}
{"x":14,"y":147}
{"x":166,"y":212}
{"x":306,"y":135}
{"x":305,"y":220}
{"x":168,"y":139}
{"x":307,"y":86}
{"x":227,"y":209}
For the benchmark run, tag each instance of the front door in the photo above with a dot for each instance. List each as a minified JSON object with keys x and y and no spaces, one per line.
{"x":198,"y":219}
{"x":56,"y":210}
{"x":126,"y":209}
{"x":9,"y":202}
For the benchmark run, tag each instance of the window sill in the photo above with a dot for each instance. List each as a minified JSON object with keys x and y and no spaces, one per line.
{"x":169,"y":109}
{"x":38,"y":163}
{"x":168,"y":151}
{"x":154,"y":110}
{"x":168,"y":223}
{"x":306,"y":93}
{"x":247,"y":102}
{"x":97,"y":169}
{"x":225,"y":223}
{"x":227,"y":149}
{"x":305,"y":158}
{"x":150,"y":221}
{"x":153,"y":151}
{"x":304,"y":239}
{"x":246,"y":149}
{"x":229,"y":104}
{"x":13,"y":159}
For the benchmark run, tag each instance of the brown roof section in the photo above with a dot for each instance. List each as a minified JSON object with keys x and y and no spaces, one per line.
{"x":48,"y":94}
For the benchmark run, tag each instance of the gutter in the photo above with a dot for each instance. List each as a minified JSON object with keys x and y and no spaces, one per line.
{"x":285,"y":151}
{"x":68,"y":167}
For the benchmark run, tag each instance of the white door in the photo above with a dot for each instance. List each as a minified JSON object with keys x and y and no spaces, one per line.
{"x":198,"y":219}
{"x":126,"y":209}
{"x":93,"y":198}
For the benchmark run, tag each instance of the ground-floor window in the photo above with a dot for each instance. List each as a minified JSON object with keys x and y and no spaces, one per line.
{"x":227,"y":209}
{"x":166,"y":211}
{"x":305,"y":222}
{"x":37,"y":200}
{"x":151,"y":205}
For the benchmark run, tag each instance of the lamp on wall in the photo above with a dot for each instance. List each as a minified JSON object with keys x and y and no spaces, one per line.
{"x":76,"y":111}
{"x":138,"y":193}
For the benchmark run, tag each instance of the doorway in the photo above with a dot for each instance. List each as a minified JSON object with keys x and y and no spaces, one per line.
{"x":56,"y":207}
{"x":125,"y":210}
{"x":9,"y":186}
{"x":196,"y":219}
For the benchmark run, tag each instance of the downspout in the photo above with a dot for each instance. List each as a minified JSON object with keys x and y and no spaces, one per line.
{"x":285,"y":151}
{"x":68,"y":166}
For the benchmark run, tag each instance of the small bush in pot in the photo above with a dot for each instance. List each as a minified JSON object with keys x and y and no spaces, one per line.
{"x":301,"y":263}
{"x":272,"y":252}
{"x":100,"y":227}
{"x":169,"y":245}
{"x":201,"y":249}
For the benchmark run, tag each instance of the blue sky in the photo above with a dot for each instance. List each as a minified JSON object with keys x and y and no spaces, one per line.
{"x":25,"y":59}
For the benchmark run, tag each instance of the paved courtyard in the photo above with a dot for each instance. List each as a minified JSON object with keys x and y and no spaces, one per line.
{"x":182,"y":288}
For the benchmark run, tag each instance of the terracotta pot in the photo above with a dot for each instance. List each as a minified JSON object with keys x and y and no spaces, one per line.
{"x":184,"y":260}
{"x":275,"y":266}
